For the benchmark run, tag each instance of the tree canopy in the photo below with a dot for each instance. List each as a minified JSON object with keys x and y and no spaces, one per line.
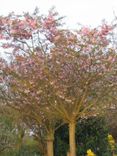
{"x":56,"y":74}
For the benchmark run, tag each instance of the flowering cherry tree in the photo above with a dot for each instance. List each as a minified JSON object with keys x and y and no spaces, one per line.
{"x":55,"y":73}
{"x":84,"y":74}
{"x":27,"y":39}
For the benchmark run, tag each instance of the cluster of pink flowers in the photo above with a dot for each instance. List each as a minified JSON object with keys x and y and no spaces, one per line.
{"x":105,"y":29}
{"x":49,"y":22}
{"x":85,"y":31}
{"x":32,"y":23}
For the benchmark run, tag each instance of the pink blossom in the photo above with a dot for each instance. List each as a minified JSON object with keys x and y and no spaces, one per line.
{"x":1,"y":37}
{"x":105,"y":29}
{"x":48,"y":22}
{"x":13,"y":31}
{"x":6,"y":46}
{"x":33,"y":24}
{"x":85,"y":31}
{"x":22,"y":23}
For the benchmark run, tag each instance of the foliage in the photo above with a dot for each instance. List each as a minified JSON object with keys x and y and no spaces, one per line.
{"x":90,"y":134}
{"x":94,"y":135}
{"x":61,"y":142}
{"x":8,"y":134}
{"x":11,"y":141}
{"x":25,"y":150}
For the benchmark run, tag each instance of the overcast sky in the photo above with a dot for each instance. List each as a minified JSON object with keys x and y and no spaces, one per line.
{"x":86,"y":12}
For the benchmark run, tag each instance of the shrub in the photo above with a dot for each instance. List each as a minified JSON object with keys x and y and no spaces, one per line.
{"x":90,"y":134}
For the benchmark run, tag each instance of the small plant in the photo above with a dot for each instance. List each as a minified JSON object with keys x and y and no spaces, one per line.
{"x":112,"y":144}
{"x":90,"y":153}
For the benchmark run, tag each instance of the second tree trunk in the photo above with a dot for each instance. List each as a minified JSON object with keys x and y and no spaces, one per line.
{"x":72,"y":143}
{"x":50,"y":140}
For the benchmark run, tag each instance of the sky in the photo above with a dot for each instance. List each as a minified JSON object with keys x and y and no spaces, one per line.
{"x":86,"y":12}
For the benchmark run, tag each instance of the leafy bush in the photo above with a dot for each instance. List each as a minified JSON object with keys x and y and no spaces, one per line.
{"x":90,"y":134}
{"x":25,"y":150}
{"x":9,"y":140}
{"x":61,"y":142}
{"x":7,"y":133}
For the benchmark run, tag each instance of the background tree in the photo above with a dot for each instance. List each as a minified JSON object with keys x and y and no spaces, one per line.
{"x":11,"y":131}
{"x":27,"y":37}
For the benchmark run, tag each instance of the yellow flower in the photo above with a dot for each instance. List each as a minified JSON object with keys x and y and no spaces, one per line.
{"x":111,"y":141}
{"x":110,"y":136}
{"x":90,"y":153}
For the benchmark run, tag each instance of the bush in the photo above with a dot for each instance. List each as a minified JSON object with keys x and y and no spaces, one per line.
{"x":61,"y":142}
{"x":23,"y":151}
{"x":90,"y":134}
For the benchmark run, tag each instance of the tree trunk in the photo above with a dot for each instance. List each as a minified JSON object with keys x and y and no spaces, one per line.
{"x":68,"y":153}
{"x":50,"y":140}
{"x":72,"y":143}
